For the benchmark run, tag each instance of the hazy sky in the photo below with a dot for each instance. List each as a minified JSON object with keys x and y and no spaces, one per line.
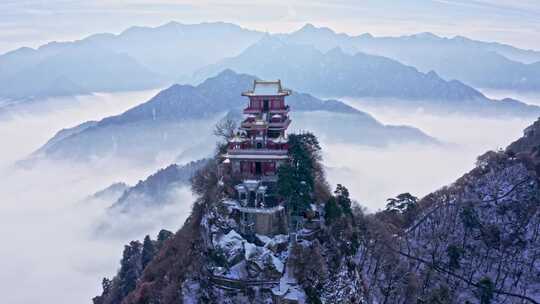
{"x":34,"y":22}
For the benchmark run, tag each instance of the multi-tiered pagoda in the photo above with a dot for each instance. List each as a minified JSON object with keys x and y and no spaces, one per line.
{"x":260,"y":145}
{"x":253,"y":156}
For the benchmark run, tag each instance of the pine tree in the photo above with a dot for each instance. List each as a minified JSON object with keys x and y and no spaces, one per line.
{"x":454,"y":256}
{"x":296,"y":179}
{"x":331,"y":211}
{"x":469,"y":218}
{"x":106,"y":284}
{"x":342,"y":197}
{"x":148,"y":251}
{"x":486,"y":288}
{"x":402,"y":204}
{"x":439,"y":295}
{"x":130,"y":268}
{"x":162,"y":236}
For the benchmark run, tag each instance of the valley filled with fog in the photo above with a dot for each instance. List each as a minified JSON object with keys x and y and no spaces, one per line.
{"x":45,"y":204}
{"x":375,"y":174}
{"x":44,"y":214}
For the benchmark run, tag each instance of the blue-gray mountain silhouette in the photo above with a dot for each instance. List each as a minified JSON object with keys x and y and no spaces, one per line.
{"x":181,"y":118}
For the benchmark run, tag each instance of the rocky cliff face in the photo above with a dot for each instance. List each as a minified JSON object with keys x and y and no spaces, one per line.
{"x":474,"y":241}
{"x":211,"y":261}
{"x":528,"y":146}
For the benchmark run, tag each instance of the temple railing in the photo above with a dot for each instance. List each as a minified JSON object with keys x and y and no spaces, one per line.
{"x":271,"y":124}
{"x":249,"y":124}
{"x":280,"y":124}
{"x":250,"y":110}
{"x":257,"y":151}
{"x":253,"y":110}
{"x":280,"y":110}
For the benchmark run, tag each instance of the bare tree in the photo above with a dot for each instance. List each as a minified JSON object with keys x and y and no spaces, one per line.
{"x":225,"y":129}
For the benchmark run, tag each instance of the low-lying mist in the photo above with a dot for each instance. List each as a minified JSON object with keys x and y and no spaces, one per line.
{"x":375,"y":174}
{"x":51,"y":251}
{"x":28,"y":126}
{"x":532,"y":98}
{"x":51,"y":244}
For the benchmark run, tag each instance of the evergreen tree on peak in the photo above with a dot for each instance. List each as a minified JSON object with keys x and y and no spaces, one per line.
{"x":148,"y":251}
{"x":296,"y":179}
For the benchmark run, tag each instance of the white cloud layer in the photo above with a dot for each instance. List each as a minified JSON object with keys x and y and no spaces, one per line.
{"x":51,"y":253}
{"x":375,"y":174}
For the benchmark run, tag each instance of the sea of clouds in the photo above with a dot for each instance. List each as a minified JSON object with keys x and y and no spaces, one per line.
{"x":376,"y":174}
{"x":52,"y":253}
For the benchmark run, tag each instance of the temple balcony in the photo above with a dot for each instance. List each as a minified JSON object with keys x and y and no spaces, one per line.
{"x":279,"y":124}
{"x":250,"y":110}
{"x":258,"y":125}
{"x":257,"y":155}
{"x":259,"y":142}
{"x":251,"y":123}
{"x":255,"y":110}
{"x":257,"y":151}
{"x":279,"y":110}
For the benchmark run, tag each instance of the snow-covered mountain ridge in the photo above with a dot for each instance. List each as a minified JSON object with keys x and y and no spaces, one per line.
{"x":474,"y":241}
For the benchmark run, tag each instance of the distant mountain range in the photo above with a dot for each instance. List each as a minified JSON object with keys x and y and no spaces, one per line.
{"x":145,"y":57}
{"x":71,"y":69}
{"x":479,"y":64}
{"x":155,"y":188}
{"x":336,"y":73}
{"x":138,"y":58}
{"x":180,"y":120}
{"x":325,"y":39}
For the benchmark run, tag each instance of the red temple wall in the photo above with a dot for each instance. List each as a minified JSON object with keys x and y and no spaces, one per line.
{"x":249,"y":167}
{"x":275,"y":102}
{"x":269,"y":167}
